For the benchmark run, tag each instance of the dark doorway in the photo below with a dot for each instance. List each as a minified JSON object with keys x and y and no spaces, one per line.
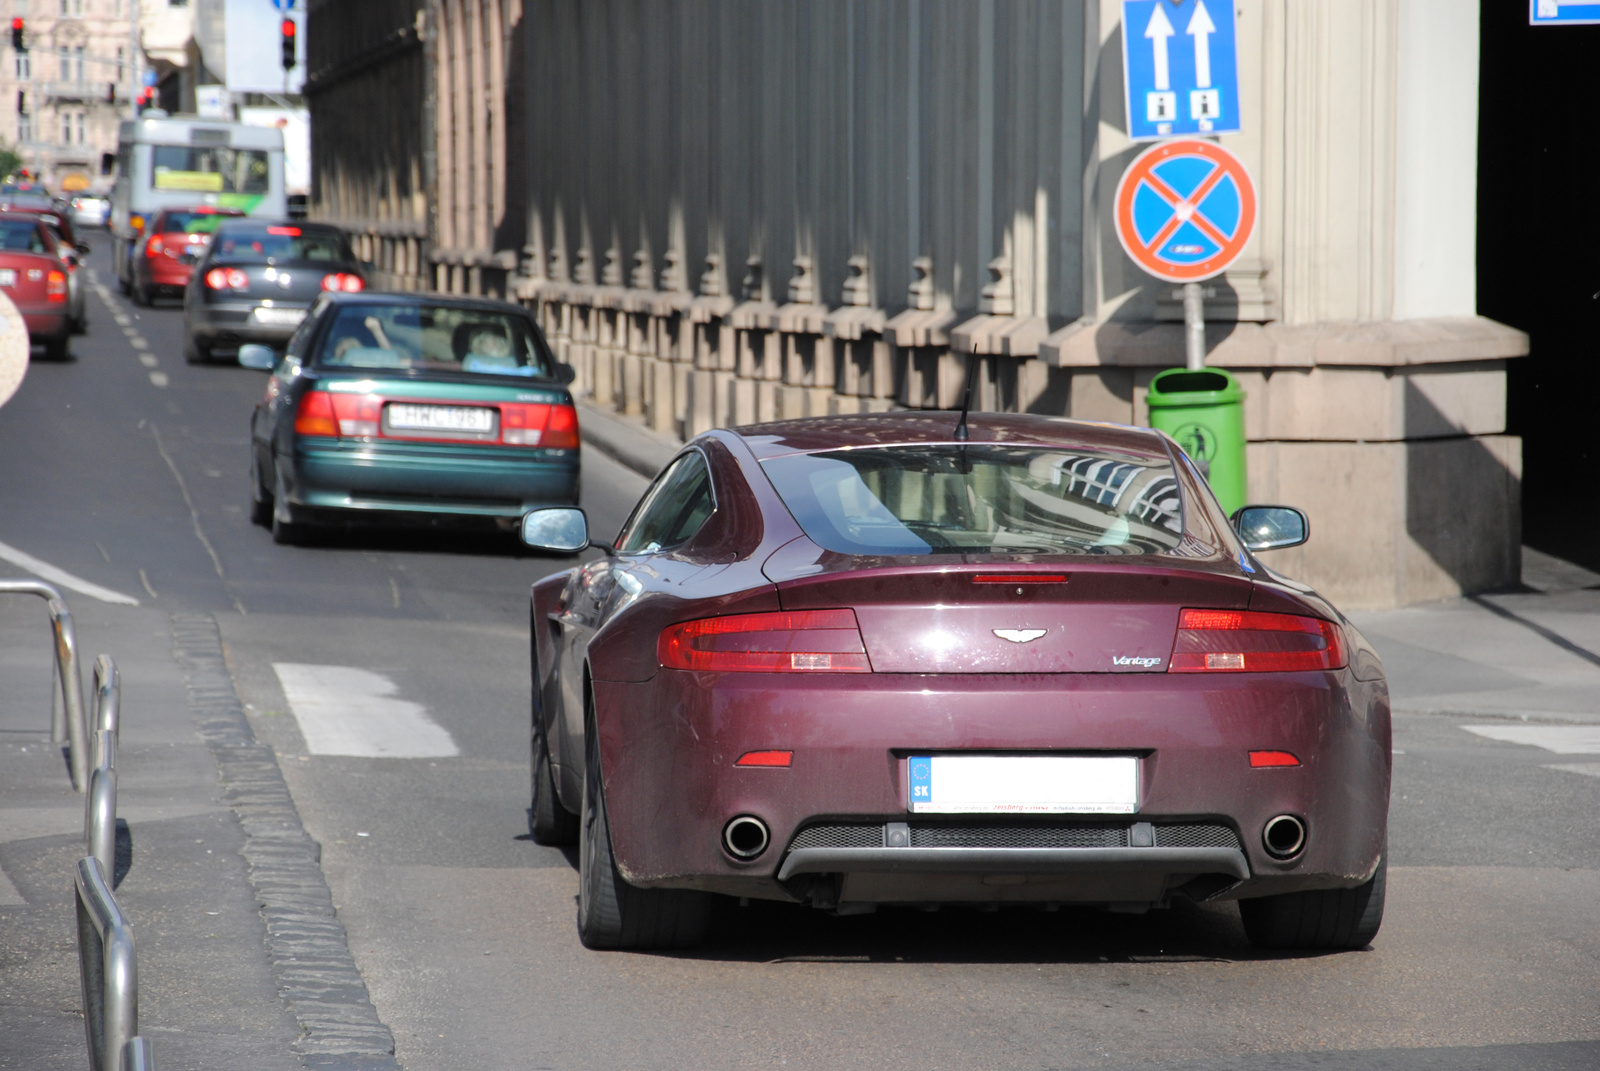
{"x":1539,"y":260}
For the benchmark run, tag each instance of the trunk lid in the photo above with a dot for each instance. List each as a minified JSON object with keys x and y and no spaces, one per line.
{"x":992,"y":614}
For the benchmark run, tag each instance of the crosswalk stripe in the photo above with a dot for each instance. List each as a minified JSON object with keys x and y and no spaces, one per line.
{"x":343,"y":710}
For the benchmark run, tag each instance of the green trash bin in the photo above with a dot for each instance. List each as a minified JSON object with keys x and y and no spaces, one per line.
{"x":1204,"y":411}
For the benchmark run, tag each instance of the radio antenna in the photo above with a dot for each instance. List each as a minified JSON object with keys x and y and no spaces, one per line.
{"x":966,"y":404}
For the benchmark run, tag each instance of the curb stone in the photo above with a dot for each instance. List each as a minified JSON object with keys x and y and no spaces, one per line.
{"x":306,"y":943}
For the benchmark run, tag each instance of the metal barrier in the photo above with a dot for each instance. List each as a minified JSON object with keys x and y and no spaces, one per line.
{"x":106,"y":961}
{"x":67,"y":721}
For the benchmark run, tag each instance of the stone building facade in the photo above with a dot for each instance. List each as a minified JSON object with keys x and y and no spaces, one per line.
{"x":728,"y":211}
{"x":58,"y":110}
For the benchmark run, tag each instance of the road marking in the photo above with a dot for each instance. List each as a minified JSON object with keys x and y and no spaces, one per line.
{"x":138,"y":343}
{"x":148,"y":360}
{"x":1562,"y":739}
{"x":1592,"y":769}
{"x":144,"y":579}
{"x":45,"y":571}
{"x":158,"y":378}
{"x":122,"y":318}
{"x":347,"y":711}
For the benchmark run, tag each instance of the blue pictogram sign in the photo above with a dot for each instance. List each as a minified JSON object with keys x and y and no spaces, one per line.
{"x":920,"y":791}
{"x":1180,"y":59}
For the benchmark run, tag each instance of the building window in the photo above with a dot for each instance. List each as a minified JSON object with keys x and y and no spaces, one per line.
{"x":80,"y":128}
{"x":24,"y":67}
{"x":24,"y":128}
{"x":64,"y":58}
{"x":121,"y":56}
{"x":66,"y":128}
{"x":77,"y":64}
{"x":72,"y":7}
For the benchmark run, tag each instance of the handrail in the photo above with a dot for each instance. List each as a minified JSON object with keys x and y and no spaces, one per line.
{"x":107,"y":966}
{"x":100,"y":804}
{"x":67,"y":722}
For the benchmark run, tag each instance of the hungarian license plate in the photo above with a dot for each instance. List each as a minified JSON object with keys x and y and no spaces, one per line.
{"x":440,"y":418}
{"x":8,"y":277}
{"x":1023,"y":784}
{"x":280,"y":317}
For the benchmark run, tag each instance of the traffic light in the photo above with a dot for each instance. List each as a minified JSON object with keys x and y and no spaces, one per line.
{"x":145,"y":98}
{"x":16,"y":35}
{"x":111,"y":92}
{"x":289,"y":31}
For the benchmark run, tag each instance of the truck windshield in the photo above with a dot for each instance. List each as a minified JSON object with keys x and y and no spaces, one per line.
{"x":982,"y":498}
{"x":208,"y":169}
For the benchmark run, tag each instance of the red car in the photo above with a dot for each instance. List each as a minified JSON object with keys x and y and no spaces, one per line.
{"x":164,"y":258}
{"x":35,"y":277}
{"x":860,"y":661}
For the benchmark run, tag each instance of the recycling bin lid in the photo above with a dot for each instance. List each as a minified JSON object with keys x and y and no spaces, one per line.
{"x":1180,"y":386}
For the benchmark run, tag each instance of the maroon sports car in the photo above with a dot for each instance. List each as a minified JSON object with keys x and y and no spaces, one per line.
{"x":859,"y":661}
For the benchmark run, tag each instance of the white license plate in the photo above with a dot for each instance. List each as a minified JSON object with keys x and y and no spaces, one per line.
{"x":280,"y":317}
{"x":441,"y":418}
{"x":8,"y":277}
{"x":1023,"y":784}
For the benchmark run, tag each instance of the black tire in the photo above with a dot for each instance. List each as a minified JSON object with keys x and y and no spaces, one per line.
{"x":549,"y":821}
{"x":260,"y":500}
{"x":286,"y":530}
{"x":55,"y":349}
{"x":1319,"y":918}
{"x":194,"y":353}
{"x":612,"y":913}
{"x":138,"y":294}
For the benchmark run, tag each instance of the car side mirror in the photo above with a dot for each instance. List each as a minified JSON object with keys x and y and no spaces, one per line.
{"x":1271,"y":527}
{"x":83,"y":247}
{"x":254,"y":355}
{"x":558,"y":530}
{"x":565,"y":374}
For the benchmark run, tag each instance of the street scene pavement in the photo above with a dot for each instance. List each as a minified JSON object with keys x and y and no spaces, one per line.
{"x":422,"y":928}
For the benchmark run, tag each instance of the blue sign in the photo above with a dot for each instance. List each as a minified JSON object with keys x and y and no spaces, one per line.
{"x":1562,"y":13}
{"x":1181,"y":68}
{"x":283,"y":5}
{"x":921,"y":777}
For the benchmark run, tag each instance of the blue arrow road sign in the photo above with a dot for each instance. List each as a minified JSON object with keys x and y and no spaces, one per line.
{"x":1562,"y":12}
{"x":1180,"y":59}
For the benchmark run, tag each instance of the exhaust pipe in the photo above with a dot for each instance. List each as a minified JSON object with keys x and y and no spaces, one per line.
{"x":745,"y":836}
{"x":1283,"y":836}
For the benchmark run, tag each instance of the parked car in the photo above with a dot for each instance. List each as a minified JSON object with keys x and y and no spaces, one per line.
{"x":35,"y":278}
{"x":257,"y":279}
{"x":91,"y":210}
{"x":854,"y":661}
{"x":165,"y":255}
{"x":396,"y":407}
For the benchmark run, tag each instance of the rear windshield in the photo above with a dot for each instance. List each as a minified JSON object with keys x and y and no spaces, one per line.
{"x":981,"y":498}
{"x":21,"y":236}
{"x":261,"y":243}
{"x":190,"y":222}
{"x":208,"y":169}
{"x":436,"y":338}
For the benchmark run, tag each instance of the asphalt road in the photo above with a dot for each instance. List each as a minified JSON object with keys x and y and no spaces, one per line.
{"x":127,"y":468}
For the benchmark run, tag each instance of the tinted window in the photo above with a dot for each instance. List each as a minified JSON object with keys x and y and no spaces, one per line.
{"x":436,"y":338}
{"x":673,"y":509}
{"x":983,"y":498}
{"x":21,"y":236}
{"x":258,"y":243}
{"x":208,"y":169}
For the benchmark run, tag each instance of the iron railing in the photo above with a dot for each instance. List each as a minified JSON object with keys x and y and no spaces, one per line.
{"x":67,"y":722}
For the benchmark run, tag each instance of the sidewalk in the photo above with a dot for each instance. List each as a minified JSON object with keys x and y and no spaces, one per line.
{"x":1532,"y":655}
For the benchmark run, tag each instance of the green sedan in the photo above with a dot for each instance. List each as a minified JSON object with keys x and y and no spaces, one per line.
{"x":408,"y":407}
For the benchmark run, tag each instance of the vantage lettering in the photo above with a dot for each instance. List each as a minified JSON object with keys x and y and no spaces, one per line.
{"x":1125,"y":660}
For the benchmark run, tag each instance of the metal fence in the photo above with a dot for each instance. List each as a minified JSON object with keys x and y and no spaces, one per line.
{"x":107,"y":965}
{"x":67,"y":721}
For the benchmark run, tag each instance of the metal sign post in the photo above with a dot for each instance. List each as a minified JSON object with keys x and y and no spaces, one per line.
{"x":1182,"y":70}
{"x":1184,"y":211}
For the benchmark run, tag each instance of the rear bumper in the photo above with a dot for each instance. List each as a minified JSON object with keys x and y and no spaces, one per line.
{"x":228,"y":326}
{"x":668,"y":746}
{"x":49,"y":324}
{"x":426,"y":478}
{"x":171,"y":273}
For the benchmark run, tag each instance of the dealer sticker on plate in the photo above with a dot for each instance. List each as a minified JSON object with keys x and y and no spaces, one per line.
{"x":283,"y":317}
{"x":1023,"y":784}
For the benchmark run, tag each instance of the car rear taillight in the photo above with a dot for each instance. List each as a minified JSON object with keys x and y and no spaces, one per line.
{"x":554,"y":427}
{"x":55,"y":286}
{"x":227,"y":279}
{"x":343,"y":280}
{"x":349,"y":415}
{"x":1243,"y":641}
{"x":789,"y":641}
{"x":154,"y":247}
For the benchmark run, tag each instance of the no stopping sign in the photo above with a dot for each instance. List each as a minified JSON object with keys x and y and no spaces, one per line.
{"x":1185,"y":210}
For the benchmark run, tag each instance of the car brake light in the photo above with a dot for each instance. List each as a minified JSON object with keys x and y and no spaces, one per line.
{"x":1235,"y":641}
{"x":765,"y":758}
{"x":789,"y":641}
{"x":1262,"y":759}
{"x":55,"y":286}
{"x":153,"y":247}
{"x":346,"y":281}
{"x":286,"y":232}
{"x":1020,"y":578}
{"x":315,"y":414}
{"x":350,"y":415}
{"x":227,"y":279}
{"x":554,"y":427}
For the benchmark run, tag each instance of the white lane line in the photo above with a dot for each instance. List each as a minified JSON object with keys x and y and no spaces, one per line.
{"x":1592,"y":769}
{"x":148,"y":360}
{"x":1562,"y":739}
{"x":45,"y":571}
{"x":347,"y":711}
{"x":138,"y":343}
{"x":158,"y":378}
